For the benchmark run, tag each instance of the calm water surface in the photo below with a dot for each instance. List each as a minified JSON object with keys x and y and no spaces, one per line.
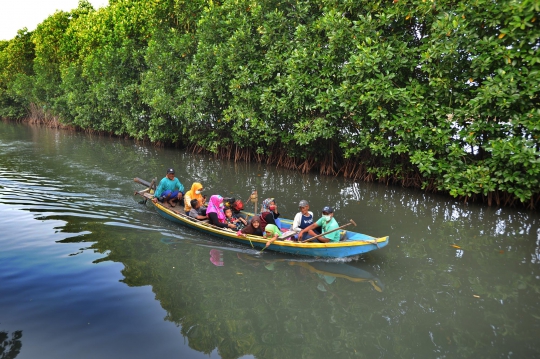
{"x":88,"y":272}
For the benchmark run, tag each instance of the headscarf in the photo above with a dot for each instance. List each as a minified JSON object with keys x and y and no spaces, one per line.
{"x":191,"y":194}
{"x":266,"y":204}
{"x":214,"y":207}
{"x":249,"y":229}
{"x":273,"y":229}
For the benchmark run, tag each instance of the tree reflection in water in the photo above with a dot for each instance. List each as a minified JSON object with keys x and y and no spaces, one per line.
{"x":265,"y":305}
{"x":10,"y":348}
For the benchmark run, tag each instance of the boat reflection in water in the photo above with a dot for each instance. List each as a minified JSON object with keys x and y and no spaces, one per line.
{"x":326,"y":270}
{"x":240,"y":302}
{"x":330,"y":271}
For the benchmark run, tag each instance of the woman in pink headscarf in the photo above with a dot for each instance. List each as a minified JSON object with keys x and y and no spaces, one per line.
{"x":215,"y":213}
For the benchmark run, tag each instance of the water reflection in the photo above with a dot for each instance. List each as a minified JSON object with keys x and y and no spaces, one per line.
{"x":243,"y":303}
{"x":328,"y":271}
{"x":459,"y":280}
{"x":216,"y":257}
{"x":10,"y":346}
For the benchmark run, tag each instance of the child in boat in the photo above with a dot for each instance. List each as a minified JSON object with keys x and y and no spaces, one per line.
{"x":195,"y":211}
{"x":253,"y":228}
{"x":272,"y":232}
{"x":238,"y":222}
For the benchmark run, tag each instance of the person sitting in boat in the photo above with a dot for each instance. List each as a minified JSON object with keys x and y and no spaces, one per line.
{"x":195,"y":211}
{"x":228,"y":202}
{"x":238,"y":222}
{"x":272,"y":232}
{"x":269,"y":214}
{"x":327,"y":223}
{"x":195,"y":193}
{"x":303,"y":218}
{"x":215,"y":213}
{"x":169,"y":190}
{"x":253,"y":228}
{"x":237,"y":207}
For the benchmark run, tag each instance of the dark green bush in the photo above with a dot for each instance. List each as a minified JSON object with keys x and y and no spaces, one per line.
{"x":441,"y":95}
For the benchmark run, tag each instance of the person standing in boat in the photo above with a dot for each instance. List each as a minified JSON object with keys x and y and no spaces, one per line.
{"x":169,"y":190}
{"x":327,"y":223}
{"x":215,"y":214}
{"x":194,"y":193}
{"x":269,"y":213}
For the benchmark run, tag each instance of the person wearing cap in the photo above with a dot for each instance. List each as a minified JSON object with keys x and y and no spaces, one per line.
{"x":169,"y":190}
{"x":304,"y":218}
{"x":326,"y":223}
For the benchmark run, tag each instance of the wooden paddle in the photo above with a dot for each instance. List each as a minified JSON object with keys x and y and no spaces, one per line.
{"x":333,"y":230}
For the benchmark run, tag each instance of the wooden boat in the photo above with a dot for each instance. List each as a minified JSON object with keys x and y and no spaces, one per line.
{"x":352,"y":243}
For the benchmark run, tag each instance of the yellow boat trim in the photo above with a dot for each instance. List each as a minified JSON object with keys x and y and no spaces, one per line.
{"x":259,"y":239}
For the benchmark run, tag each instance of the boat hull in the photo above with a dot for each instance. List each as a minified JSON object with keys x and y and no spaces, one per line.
{"x":355,"y":244}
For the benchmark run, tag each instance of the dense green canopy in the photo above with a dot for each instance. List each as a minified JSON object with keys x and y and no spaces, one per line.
{"x":441,"y":95}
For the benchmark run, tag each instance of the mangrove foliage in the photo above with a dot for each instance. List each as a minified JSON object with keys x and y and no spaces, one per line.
{"x":440,"y":95}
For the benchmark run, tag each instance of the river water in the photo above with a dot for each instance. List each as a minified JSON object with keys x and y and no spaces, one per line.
{"x":86,"y":271}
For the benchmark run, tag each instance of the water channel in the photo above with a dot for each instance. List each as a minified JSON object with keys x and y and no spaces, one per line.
{"x":87,"y":271}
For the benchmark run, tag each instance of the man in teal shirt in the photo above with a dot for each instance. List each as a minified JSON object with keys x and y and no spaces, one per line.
{"x":327,"y":223}
{"x":169,"y":189}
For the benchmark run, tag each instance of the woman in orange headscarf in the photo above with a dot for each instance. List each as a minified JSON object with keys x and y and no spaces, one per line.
{"x":194,"y":193}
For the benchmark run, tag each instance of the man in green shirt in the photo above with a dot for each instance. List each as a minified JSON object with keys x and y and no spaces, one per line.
{"x":327,"y":223}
